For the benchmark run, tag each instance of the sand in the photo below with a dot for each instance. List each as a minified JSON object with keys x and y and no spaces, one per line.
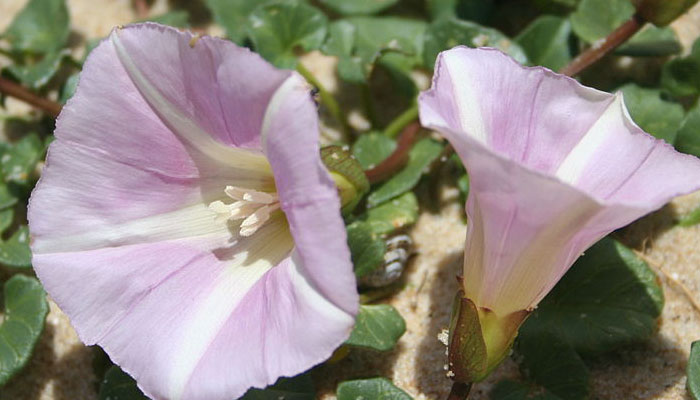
{"x":62,"y":368}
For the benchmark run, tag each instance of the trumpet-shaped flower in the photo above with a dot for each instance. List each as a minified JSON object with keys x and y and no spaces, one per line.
{"x":554,"y":166}
{"x":185,"y":221}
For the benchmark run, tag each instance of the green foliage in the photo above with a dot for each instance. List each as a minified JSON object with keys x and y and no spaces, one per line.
{"x":360,"y":42}
{"x":653,"y":114}
{"x":688,"y":138}
{"x":510,"y":390}
{"x":693,"y":382}
{"x":392,"y":215}
{"x":25,"y":312}
{"x":472,"y":10}
{"x":555,"y":365}
{"x":652,"y":42}
{"x":15,"y":251}
{"x":7,"y":197}
{"x":233,"y":15}
{"x":300,"y":387}
{"x":118,"y":385}
{"x":681,"y":76}
{"x":375,"y":389}
{"x":420,"y":157}
{"x":366,"y":248}
{"x":546,"y":42}
{"x":358,"y":7}
{"x":18,"y":160}
{"x":278,"y":29}
{"x":68,"y":89}
{"x":6,"y":218}
{"x":37,"y":75}
{"x":445,"y":34}
{"x":41,"y":27}
{"x":372,"y":148}
{"x":377,"y":327}
{"x":691,"y":219}
{"x":609,"y":298}
{"x":595,"y":19}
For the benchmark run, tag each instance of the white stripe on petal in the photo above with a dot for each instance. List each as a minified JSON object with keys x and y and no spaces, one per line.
{"x":184,"y":126}
{"x":467,"y":101}
{"x":188,"y":222}
{"x":254,"y":257}
{"x":575,"y":163}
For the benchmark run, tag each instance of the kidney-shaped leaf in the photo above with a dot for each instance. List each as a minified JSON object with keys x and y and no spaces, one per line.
{"x":609,"y":298}
{"x":25,"y":312}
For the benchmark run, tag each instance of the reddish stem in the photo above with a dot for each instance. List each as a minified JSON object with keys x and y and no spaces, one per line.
{"x":20,"y":92}
{"x":398,"y":158}
{"x":599,"y":49}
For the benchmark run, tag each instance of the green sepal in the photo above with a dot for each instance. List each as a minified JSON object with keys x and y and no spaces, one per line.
{"x":347,"y":174}
{"x":479,"y":340}
{"x":662,"y":12}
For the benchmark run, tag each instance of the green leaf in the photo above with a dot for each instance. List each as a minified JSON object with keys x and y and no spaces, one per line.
{"x":38,"y":74}
{"x":510,"y":390}
{"x":419,"y":158}
{"x":375,"y":389}
{"x":372,"y":148}
{"x":681,"y":76}
{"x":41,"y":27}
{"x":546,"y":42}
{"x":25,"y":312}
{"x":358,"y":7}
{"x":118,"y":385}
{"x":7,"y":198}
{"x":693,"y":382}
{"x":278,"y":29}
{"x":378,"y":327}
{"x":68,"y":89}
{"x":445,"y":34}
{"x":392,"y":215}
{"x":652,"y":42}
{"x":176,"y":18}
{"x":688,"y":138}
{"x":653,"y":114}
{"x":19,"y":159}
{"x":300,"y":387}
{"x":366,"y":248}
{"x":595,"y":19}
{"x":15,"y":252}
{"x":609,"y":298}
{"x":555,"y":365}
{"x":690,"y":219}
{"x":360,"y":42}
{"x":233,"y":15}
{"x":6,"y":218}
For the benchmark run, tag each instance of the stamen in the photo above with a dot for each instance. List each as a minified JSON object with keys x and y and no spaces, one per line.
{"x":253,"y":206}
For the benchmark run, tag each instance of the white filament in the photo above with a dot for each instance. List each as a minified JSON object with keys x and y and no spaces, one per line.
{"x":252,"y":206}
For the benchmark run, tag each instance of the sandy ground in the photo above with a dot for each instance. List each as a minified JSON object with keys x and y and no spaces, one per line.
{"x":62,"y":368}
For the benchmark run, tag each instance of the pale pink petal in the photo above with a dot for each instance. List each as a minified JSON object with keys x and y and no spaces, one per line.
{"x":307,"y":193}
{"x":554,"y":166}
{"x":125,"y":242}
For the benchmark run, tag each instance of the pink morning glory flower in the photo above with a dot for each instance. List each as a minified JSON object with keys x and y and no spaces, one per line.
{"x":554,"y":166}
{"x":185,"y":221}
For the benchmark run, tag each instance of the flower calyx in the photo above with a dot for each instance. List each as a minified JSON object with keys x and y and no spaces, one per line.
{"x":348,"y":176}
{"x":479,"y":340}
